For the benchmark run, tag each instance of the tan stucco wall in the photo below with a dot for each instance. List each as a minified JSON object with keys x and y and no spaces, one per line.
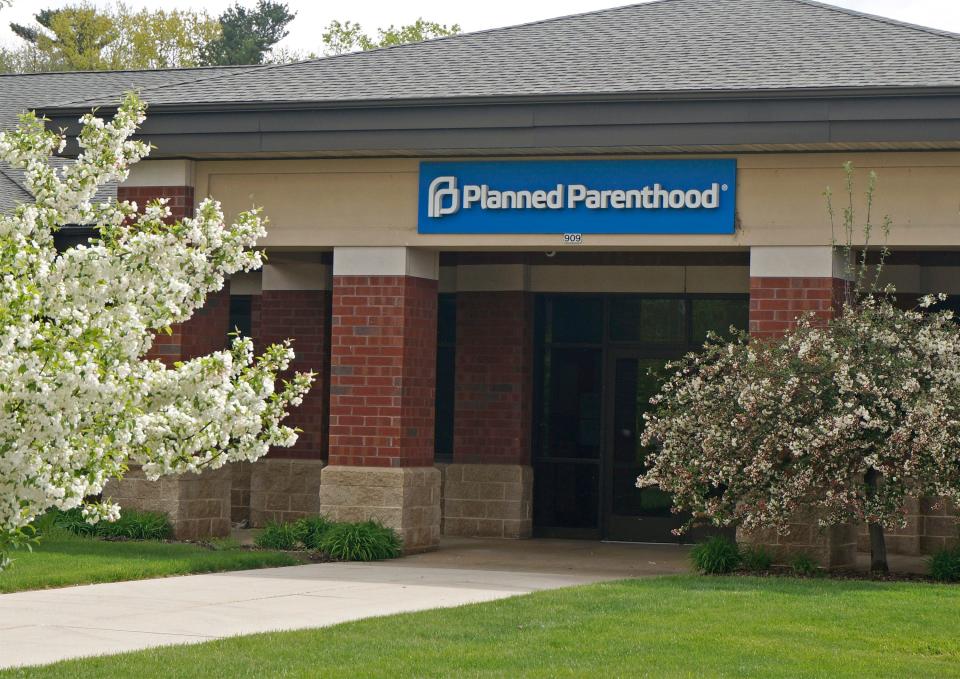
{"x":338,"y":202}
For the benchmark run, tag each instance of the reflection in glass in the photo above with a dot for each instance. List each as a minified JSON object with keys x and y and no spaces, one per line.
{"x":635,"y":382}
{"x":649,"y":320}
{"x":718,"y":315}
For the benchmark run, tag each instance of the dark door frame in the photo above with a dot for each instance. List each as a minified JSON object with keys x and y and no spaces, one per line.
{"x":609,"y":349}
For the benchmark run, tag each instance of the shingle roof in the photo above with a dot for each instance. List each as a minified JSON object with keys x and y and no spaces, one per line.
{"x":656,"y":47}
{"x":24,"y":92}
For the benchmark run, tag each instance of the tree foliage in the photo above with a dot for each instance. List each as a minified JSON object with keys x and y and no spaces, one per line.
{"x":83,"y":37}
{"x":74,"y":36}
{"x":845,"y":421}
{"x":78,"y":402}
{"x":348,"y":36}
{"x":248,"y":35}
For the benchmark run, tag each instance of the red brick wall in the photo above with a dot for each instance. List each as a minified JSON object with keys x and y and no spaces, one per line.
{"x":181,"y":197}
{"x":383,"y":371}
{"x":494,"y":380}
{"x":207,"y":329}
{"x":303,"y":316}
{"x":775,"y":303}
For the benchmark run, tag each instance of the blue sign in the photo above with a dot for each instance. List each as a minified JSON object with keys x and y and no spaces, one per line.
{"x":578,"y":196}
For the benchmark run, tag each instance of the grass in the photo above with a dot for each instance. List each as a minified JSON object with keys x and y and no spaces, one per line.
{"x":63,"y":559}
{"x":685,"y":626}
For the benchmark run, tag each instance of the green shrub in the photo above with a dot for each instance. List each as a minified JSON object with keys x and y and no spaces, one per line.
{"x":804,"y":564}
{"x":132,"y":525}
{"x":944,"y":565}
{"x":716,"y":556}
{"x":756,"y":558}
{"x":46,"y":524}
{"x":278,"y":536}
{"x":367,"y":541}
{"x":72,"y":521}
{"x":311,"y":529}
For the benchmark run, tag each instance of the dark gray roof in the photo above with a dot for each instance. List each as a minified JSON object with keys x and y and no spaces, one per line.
{"x":657,"y":47}
{"x":661,"y":49}
{"x":23,"y":92}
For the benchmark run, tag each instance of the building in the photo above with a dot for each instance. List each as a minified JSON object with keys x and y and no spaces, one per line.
{"x":481,"y":243}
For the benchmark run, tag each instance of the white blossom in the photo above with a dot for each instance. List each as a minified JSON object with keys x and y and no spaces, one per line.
{"x":753,"y":432}
{"x":78,"y":402}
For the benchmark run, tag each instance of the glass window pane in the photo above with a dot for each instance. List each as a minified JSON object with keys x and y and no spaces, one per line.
{"x":240,"y":314}
{"x":577,"y":320}
{"x":572,"y":403}
{"x":443,"y":422}
{"x":566,"y":495}
{"x":648,"y":320}
{"x":635,"y":382}
{"x":718,"y":315}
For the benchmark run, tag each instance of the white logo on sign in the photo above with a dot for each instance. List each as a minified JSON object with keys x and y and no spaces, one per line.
{"x":441,"y":188}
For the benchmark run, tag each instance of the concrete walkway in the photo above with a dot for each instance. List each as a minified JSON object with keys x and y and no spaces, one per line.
{"x":48,"y":625}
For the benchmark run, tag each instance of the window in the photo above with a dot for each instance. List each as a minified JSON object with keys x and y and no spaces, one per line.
{"x":240,"y":314}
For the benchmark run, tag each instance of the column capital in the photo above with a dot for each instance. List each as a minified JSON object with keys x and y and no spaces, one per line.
{"x":386,"y":261}
{"x":797,"y":261}
{"x":297,"y":271}
{"x":173,"y":172}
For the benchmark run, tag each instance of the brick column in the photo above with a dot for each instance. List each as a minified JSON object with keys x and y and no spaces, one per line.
{"x":294,"y":303}
{"x":488,"y":487}
{"x":786,"y":282}
{"x":199,"y":505}
{"x":382,"y":382}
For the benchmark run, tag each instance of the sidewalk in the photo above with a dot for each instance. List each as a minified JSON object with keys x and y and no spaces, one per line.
{"x":49,"y":625}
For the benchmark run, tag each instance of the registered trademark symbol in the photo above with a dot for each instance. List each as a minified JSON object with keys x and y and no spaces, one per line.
{"x":724,"y":187}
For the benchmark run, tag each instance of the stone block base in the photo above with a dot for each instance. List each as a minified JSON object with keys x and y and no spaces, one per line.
{"x":941,"y":525}
{"x":833,"y":547}
{"x":931,"y":525}
{"x":406,"y":499}
{"x":284,"y":490}
{"x":488,"y":500}
{"x":240,"y":493}
{"x":198,"y":505}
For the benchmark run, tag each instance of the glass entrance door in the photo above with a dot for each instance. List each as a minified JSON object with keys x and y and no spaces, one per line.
{"x":631,"y":513}
{"x":599,"y":360}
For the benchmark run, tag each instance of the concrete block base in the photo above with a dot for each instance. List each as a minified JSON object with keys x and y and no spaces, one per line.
{"x":406,"y":499}
{"x":240,"y":493}
{"x":198,"y":505}
{"x":832,"y":547}
{"x":284,"y":490}
{"x":488,"y":500}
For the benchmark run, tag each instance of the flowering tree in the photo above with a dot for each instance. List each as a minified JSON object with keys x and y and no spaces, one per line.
{"x":78,"y":403}
{"x":847,"y":420}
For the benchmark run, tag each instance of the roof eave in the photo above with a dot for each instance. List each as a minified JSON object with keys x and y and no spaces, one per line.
{"x":611,"y":97}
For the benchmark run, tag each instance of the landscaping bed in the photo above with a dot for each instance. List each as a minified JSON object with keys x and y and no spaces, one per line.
{"x":659,"y":627}
{"x":721,"y":556}
{"x":71,"y":551}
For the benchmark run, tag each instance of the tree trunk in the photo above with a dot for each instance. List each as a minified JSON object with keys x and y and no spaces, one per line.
{"x":878,"y":542}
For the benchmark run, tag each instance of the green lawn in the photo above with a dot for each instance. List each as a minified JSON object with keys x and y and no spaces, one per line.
{"x":665,"y":627}
{"x":62,"y":559}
